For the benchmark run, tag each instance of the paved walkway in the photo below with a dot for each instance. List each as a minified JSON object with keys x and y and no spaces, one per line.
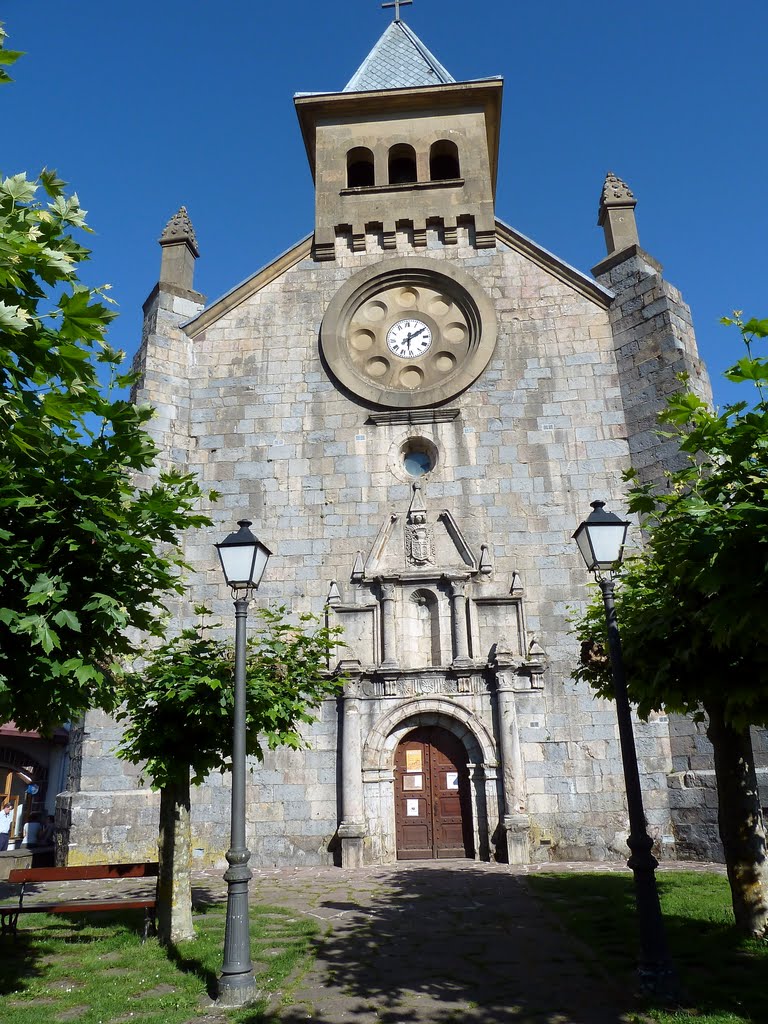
{"x":436,"y":942}
{"x":431,"y":943}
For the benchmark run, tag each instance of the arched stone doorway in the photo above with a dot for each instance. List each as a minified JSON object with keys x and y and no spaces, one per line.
{"x":380,"y":748}
{"x":433,"y":805}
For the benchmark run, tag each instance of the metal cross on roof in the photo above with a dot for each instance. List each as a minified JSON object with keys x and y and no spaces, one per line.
{"x":397,"y":5}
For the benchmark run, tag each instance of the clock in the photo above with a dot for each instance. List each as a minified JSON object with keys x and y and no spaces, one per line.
{"x":409,"y":339}
{"x":408,"y":332}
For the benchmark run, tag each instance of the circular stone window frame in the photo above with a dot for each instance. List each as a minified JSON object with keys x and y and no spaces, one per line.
{"x":475,"y":305}
{"x":418,"y":441}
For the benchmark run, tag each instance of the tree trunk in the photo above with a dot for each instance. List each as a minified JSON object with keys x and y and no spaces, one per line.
{"x":174,"y":884}
{"x":740,"y":819}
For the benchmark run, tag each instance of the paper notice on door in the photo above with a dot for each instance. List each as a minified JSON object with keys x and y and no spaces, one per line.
{"x":413,"y":782}
{"x":413,"y":761}
{"x":412,"y":808}
{"x":451,"y":780}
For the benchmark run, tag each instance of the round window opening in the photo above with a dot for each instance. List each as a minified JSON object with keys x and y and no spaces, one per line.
{"x":419,"y":456}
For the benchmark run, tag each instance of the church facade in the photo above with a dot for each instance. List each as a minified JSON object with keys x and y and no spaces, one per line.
{"x":415,"y":407}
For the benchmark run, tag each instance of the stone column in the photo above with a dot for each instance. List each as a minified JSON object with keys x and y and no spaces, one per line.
{"x":388,"y":639}
{"x":516,"y":821}
{"x":473,"y":779}
{"x":492,"y":815}
{"x":459,"y":623}
{"x":352,"y":828}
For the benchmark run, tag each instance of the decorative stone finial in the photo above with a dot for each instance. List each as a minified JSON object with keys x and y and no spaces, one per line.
{"x":616,"y":192}
{"x":486,"y":566}
{"x":417,"y":506}
{"x":358,"y":569}
{"x":179,"y":248}
{"x":616,"y":215}
{"x":334,"y":595}
{"x":179,"y":229}
{"x":535,"y":651}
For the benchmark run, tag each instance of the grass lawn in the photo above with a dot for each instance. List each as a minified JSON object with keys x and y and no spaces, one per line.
{"x":723,"y":976}
{"x":95,"y":970}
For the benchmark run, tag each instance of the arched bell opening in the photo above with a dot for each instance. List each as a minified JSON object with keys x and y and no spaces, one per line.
{"x":360,"y":168}
{"x":402,"y":164}
{"x":444,"y":161}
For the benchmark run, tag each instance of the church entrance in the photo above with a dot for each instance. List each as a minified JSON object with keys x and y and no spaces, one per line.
{"x":433,"y":808}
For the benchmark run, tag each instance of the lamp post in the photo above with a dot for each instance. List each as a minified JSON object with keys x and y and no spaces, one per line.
{"x":600,"y":539}
{"x":243,"y":559}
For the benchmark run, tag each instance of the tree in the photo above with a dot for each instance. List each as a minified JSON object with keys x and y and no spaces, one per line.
{"x":692,"y":609}
{"x":84,"y":555}
{"x":178,"y":710}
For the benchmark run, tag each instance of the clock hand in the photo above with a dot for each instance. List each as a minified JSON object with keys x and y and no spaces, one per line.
{"x":415,"y":334}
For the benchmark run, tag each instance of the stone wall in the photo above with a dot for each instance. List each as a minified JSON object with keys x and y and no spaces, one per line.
{"x":655,"y":342}
{"x":537,"y":437}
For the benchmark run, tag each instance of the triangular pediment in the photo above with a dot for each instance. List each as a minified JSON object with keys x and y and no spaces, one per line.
{"x":419,"y":545}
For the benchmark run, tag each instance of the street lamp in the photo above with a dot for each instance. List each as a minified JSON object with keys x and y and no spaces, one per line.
{"x":243,"y":559}
{"x":600,"y":539}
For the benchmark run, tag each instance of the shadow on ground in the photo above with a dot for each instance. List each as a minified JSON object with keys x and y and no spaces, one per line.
{"x":436,"y":945}
{"x":720,"y":972}
{"x":28,"y":954}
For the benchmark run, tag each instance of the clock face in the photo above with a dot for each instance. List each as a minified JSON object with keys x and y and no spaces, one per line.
{"x":409,"y":339}
{"x":408,"y":333}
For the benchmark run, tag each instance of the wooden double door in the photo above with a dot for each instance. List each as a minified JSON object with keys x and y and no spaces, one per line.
{"x":433,"y":808}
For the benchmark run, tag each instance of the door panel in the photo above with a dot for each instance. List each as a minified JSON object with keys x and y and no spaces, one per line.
{"x":432,"y":802}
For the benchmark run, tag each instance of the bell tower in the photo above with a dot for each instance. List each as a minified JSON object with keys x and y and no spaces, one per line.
{"x":404,"y":147}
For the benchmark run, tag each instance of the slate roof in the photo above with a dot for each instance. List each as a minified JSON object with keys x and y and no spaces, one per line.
{"x":399,"y":60}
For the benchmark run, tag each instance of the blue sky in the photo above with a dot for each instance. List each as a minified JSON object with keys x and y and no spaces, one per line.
{"x":145,"y":106}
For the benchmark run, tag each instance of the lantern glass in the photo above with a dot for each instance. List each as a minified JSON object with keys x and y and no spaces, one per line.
{"x":243,"y":558}
{"x":600,"y":538}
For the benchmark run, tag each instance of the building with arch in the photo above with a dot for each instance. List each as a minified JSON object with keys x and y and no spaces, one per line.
{"x":415,"y":405}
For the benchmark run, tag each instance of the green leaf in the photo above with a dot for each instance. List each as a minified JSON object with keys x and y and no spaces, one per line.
{"x":18,"y":188}
{"x":758,"y":328}
{"x":52,"y":183}
{"x":67,"y":618}
{"x":8,"y":57}
{"x":748,"y":369}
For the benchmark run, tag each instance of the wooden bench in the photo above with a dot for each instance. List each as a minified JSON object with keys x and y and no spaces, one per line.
{"x":9,"y":915}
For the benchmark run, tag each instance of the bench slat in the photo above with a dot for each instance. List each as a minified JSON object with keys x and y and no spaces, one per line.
{"x":74,"y":907}
{"x":83,"y":874}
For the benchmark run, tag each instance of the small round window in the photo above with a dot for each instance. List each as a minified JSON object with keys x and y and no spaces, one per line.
{"x":419,"y":456}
